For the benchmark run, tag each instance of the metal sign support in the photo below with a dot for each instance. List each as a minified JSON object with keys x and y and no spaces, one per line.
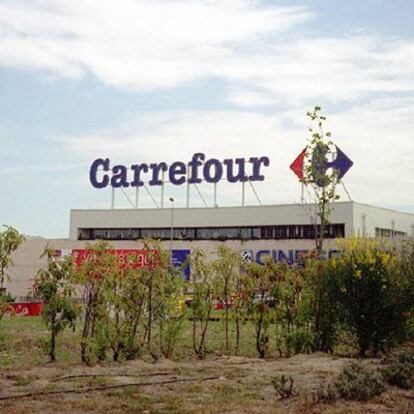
{"x":255,"y":193}
{"x":187,"y":196}
{"x":152,"y":197}
{"x":346,"y":191}
{"x":137,"y":197}
{"x":112,"y":198}
{"x":135,"y":201}
{"x":162,"y":188}
{"x":215,"y":195}
{"x":201,"y":195}
{"x":127,"y":197}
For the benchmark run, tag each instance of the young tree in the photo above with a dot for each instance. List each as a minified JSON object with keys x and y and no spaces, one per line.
{"x":134,"y":302}
{"x":202,"y":286}
{"x":169,"y":309}
{"x":227,"y":269}
{"x":54,"y":286}
{"x":262,"y":290}
{"x":151,"y":276}
{"x":321,"y":284}
{"x":318,"y":177}
{"x":124,"y":295}
{"x":10,"y":240}
{"x":110,"y":323}
{"x":88,"y":274}
{"x":292,"y":312}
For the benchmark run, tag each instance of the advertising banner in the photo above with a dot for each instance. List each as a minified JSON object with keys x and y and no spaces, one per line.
{"x":136,"y":258}
{"x":26,"y":309}
{"x":179,"y":258}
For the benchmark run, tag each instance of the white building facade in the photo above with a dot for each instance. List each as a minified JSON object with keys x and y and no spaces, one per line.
{"x":281,"y":231}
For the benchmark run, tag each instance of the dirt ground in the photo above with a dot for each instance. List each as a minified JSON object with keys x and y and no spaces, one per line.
{"x":217,"y":385}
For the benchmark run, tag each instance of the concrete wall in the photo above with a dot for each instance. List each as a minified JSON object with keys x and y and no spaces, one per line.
{"x":382,"y":218}
{"x":27,"y":257}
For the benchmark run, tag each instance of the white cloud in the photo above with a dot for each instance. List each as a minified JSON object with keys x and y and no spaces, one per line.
{"x":250,"y":99}
{"x":332,"y":69}
{"x":148,"y":44}
{"x":135,"y":44}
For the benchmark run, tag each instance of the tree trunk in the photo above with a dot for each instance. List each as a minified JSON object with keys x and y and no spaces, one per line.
{"x":237,"y":332}
{"x":227,"y":313}
{"x":259,"y":346}
{"x":52,"y":352}
{"x":149,"y":311}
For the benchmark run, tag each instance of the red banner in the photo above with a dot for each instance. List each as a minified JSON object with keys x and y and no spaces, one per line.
{"x":26,"y":309}
{"x":138,"y":259}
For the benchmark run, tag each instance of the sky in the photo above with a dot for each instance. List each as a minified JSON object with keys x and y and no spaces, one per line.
{"x":158,"y":80}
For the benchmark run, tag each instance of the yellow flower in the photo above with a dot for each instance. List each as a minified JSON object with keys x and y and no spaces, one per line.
{"x":358,"y":274}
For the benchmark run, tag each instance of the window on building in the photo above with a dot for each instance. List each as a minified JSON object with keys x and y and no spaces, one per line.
{"x":246,"y":233}
{"x":266,"y":232}
{"x":256,"y":232}
{"x":308,"y":231}
{"x":386,"y":233}
{"x":280,"y":232}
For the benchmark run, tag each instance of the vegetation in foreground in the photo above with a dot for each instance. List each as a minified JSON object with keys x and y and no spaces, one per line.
{"x":144,"y":339}
{"x":315,"y":382}
{"x":366,"y":294}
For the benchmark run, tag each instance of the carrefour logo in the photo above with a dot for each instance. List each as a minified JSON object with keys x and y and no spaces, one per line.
{"x":198,"y":169}
{"x":341,"y":164}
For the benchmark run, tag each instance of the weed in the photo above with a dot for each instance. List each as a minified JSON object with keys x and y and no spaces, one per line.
{"x":284,"y":386}
{"x":400,"y":370}
{"x":357,"y":382}
{"x":23,"y":380}
{"x":325,"y":393}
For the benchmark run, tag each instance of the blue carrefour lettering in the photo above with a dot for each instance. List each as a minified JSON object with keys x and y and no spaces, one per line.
{"x":198,"y":169}
{"x":96,"y":165}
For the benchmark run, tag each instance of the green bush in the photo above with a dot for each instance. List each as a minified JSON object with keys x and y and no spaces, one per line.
{"x":357,"y":382}
{"x":53,"y":285}
{"x":373,"y":294}
{"x":284,"y":386}
{"x":325,"y":392}
{"x":399,"y":370}
{"x":297,"y":341}
{"x":322,"y":287}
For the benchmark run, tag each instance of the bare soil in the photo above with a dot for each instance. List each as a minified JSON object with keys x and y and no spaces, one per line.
{"x":220,"y":384}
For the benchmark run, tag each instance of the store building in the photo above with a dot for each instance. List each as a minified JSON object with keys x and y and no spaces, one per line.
{"x":281,"y":231}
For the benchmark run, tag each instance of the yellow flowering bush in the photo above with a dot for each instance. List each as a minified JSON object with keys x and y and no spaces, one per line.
{"x":372,"y":293}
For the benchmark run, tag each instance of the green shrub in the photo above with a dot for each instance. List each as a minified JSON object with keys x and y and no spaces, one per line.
{"x":357,"y":382}
{"x":261,"y":285}
{"x":284,"y":386}
{"x":325,"y":393}
{"x":53,"y":285}
{"x":400,"y":370}
{"x":299,"y":340}
{"x":373,"y":294}
{"x":322,"y":286}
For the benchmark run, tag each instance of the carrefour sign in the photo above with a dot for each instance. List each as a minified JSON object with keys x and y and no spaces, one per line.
{"x":198,"y":169}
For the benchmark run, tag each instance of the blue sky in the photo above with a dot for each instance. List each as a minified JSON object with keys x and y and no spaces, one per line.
{"x":159,"y":80}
